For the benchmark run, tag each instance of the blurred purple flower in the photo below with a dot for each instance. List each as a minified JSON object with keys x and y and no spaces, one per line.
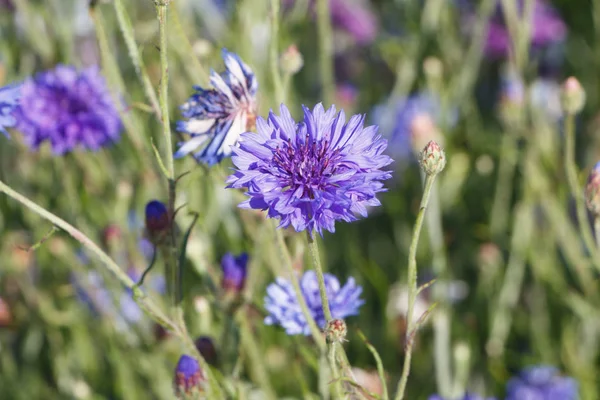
{"x":9,"y":100}
{"x":234,"y":271}
{"x":312,"y":173}
{"x":68,"y":108}
{"x":282,"y":305}
{"x":356,"y":18}
{"x":541,"y":383}
{"x":218,"y":116}
{"x":188,"y":377}
{"x":547,"y":27}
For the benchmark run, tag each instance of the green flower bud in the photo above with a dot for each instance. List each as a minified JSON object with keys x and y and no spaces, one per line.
{"x":433,"y":159}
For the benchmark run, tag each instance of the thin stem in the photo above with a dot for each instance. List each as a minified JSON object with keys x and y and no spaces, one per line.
{"x":314,"y":253}
{"x":274,"y":59}
{"x":576,"y":190}
{"x":412,"y":285}
{"x":325,"y":51}
{"x":161,"y":9}
{"x":441,"y":318}
{"x":506,"y":170}
{"x":145,"y":303}
{"x":597,"y":230}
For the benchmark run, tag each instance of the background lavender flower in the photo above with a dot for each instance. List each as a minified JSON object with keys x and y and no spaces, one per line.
{"x":313,"y":173}
{"x":234,"y":271}
{"x":69,"y":109}
{"x":356,"y":18}
{"x":9,"y":99}
{"x":543,"y":383}
{"x":546,"y":27}
{"x":216,"y":117}
{"x":467,"y":396}
{"x":283,"y":308}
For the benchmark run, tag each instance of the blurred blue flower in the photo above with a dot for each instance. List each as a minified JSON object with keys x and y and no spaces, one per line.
{"x":234,"y":271}
{"x":467,"y":396}
{"x":9,"y":99}
{"x":68,"y":108}
{"x":216,"y":117}
{"x":188,"y":377}
{"x":282,"y":305}
{"x":312,"y":173}
{"x":413,"y":119}
{"x":541,"y":383}
{"x":356,"y":18}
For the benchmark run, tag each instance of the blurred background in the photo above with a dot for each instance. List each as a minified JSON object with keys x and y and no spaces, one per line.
{"x":515,"y":283}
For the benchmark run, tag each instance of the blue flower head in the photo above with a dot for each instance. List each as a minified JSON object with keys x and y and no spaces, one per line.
{"x":157,"y":221}
{"x":69,"y":109}
{"x":234,"y":271}
{"x":312,"y":173}
{"x":9,"y":99}
{"x":188,"y":377}
{"x":216,"y":117}
{"x":284,"y":310}
{"x":543,"y":383}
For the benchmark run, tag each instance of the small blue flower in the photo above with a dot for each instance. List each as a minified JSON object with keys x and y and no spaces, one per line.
{"x":284,"y":310}
{"x":217,"y":117}
{"x":9,"y":100}
{"x":234,"y":271}
{"x":312,"y":173}
{"x":188,"y":377}
{"x":541,"y":383}
{"x":69,"y":109}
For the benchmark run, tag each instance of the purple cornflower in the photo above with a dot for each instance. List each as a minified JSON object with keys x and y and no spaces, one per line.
{"x":467,"y":396}
{"x":283,"y":308}
{"x":188,"y":377}
{"x":68,"y":108}
{"x":541,"y":383}
{"x":234,"y":271}
{"x":546,"y":28}
{"x":218,"y":116}
{"x":9,"y":100}
{"x":312,"y":173}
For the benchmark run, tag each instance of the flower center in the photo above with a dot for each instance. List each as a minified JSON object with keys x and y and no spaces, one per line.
{"x":307,"y":165}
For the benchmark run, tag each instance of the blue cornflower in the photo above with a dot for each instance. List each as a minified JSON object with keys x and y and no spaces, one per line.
{"x":9,"y":99}
{"x":541,"y":383}
{"x":282,"y":305}
{"x":467,"y":396}
{"x":234,"y":271}
{"x":68,"y":108}
{"x":218,"y":116}
{"x":188,"y":377}
{"x":312,"y":173}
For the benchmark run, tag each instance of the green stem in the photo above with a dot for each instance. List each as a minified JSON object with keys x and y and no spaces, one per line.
{"x":325,"y":51}
{"x":161,"y":9}
{"x":412,"y":285}
{"x":314,"y":253}
{"x":506,"y":170}
{"x":576,"y":190}
{"x":145,"y":303}
{"x":597,"y":230}
{"x":277,"y":82}
{"x":441,"y":318}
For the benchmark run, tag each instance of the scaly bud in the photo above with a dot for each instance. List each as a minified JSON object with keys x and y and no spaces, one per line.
{"x":206,"y":347}
{"x":291,"y":60}
{"x":592,"y":191}
{"x":336,"y":331}
{"x":188,"y":378}
{"x":572,"y":96}
{"x":433,"y":159}
{"x":158,"y":222}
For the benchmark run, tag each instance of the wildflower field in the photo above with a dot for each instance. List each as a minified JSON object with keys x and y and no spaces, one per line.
{"x":300,"y":199}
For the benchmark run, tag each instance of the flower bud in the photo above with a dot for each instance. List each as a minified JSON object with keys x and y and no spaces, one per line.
{"x":572,"y":96}
{"x":206,"y":347}
{"x":433,"y":159}
{"x":5,"y":314}
{"x":592,"y":191}
{"x":158,"y":222}
{"x":336,"y":330}
{"x":234,"y":272}
{"x":188,"y":378}
{"x":291,"y":60}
